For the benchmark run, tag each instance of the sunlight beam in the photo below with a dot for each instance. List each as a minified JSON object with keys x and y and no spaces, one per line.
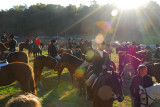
{"x":115,"y":30}
{"x":80,"y":20}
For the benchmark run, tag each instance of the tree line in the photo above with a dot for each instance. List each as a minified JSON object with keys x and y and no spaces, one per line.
{"x":53,"y":20}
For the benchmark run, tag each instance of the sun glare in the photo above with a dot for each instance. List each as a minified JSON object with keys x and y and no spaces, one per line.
{"x":129,"y":4}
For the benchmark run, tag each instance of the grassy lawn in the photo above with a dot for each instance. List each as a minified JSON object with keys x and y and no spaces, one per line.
{"x":54,"y":95}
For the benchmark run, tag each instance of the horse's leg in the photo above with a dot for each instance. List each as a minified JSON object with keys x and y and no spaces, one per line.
{"x":59,"y":73}
{"x":32,"y":86}
{"x":72,"y":77}
{"x":25,"y":86}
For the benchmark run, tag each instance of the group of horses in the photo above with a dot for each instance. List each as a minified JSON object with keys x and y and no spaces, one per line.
{"x":107,"y":88}
{"x":19,"y":70}
{"x":32,"y":48}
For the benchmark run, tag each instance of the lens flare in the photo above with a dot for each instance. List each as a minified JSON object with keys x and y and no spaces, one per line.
{"x":99,"y":38}
{"x":79,"y":72}
{"x":66,"y":90}
{"x":90,"y":55}
{"x":105,"y":92}
{"x":114,"y":12}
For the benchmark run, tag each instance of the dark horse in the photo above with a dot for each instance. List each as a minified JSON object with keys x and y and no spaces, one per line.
{"x":40,"y":62}
{"x":22,"y":45}
{"x":107,"y":89}
{"x":12,"y":57}
{"x":31,"y":48}
{"x":21,"y":72}
{"x":153,"y":69}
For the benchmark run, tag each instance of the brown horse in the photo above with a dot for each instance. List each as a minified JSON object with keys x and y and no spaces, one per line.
{"x":43,"y":61}
{"x":47,"y":61}
{"x":20,"y":72}
{"x":153,"y":69}
{"x":107,"y":89}
{"x":12,"y":57}
{"x":73,"y":64}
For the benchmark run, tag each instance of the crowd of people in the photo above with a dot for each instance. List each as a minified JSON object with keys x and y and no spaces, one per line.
{"x":100,"y":63}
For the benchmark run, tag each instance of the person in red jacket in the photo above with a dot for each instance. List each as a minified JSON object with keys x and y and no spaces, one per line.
{"x":37,"y":41}
{"x":132,"y":49}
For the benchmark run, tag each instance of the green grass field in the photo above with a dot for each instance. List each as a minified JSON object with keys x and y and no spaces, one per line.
{"x":54,"y":95}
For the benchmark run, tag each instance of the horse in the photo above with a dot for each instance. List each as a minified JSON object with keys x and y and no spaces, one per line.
{"x":13,"y":56}
{"x":73,"y":64}
{"x":21,"y":72}
{"x":150,"y":97}
{"x":121,"y":55}
{"x":153,"y":69}
{"x":23,"y":45}
{"x":107,"y":89}
{"x":46,"y":61}
{"x":31,"y":48}
{"x":36,"y":50}
{"x":40,"y":62}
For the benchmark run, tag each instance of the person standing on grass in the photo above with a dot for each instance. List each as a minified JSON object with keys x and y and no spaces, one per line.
{"x":140,"y":79}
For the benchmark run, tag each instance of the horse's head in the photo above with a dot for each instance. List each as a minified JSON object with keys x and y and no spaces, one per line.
{"x":117,"y":86}
{"x":111,"y":85}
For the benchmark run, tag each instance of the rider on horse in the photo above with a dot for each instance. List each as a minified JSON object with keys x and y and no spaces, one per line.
{"x":52,"y":50}
{"x":100,"y":63}
{"x":4,"y":37}
{"x":12,"y":44}
{"x":37,"y":41}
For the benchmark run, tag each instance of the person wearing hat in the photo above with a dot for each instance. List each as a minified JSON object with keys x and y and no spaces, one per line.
{"x":52,"y":49}
{"x":100,"y":62}
{"x":140,"y":79}
{"x":4,"y":37}
{"x":12,"y":44}
{"x":77,"y":52}
{"x":37,"y":41}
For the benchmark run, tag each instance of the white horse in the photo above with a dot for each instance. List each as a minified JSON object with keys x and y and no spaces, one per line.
{"x":150,"y":97}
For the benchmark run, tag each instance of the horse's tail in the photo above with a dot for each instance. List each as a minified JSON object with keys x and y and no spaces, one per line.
{"x":38,"y":65}
{"x":33,"y":84}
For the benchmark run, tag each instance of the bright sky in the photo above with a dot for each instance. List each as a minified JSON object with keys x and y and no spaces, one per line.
{"x":7,"y":4}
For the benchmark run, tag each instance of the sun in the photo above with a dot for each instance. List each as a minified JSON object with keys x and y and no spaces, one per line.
{"x":129,"y":4}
